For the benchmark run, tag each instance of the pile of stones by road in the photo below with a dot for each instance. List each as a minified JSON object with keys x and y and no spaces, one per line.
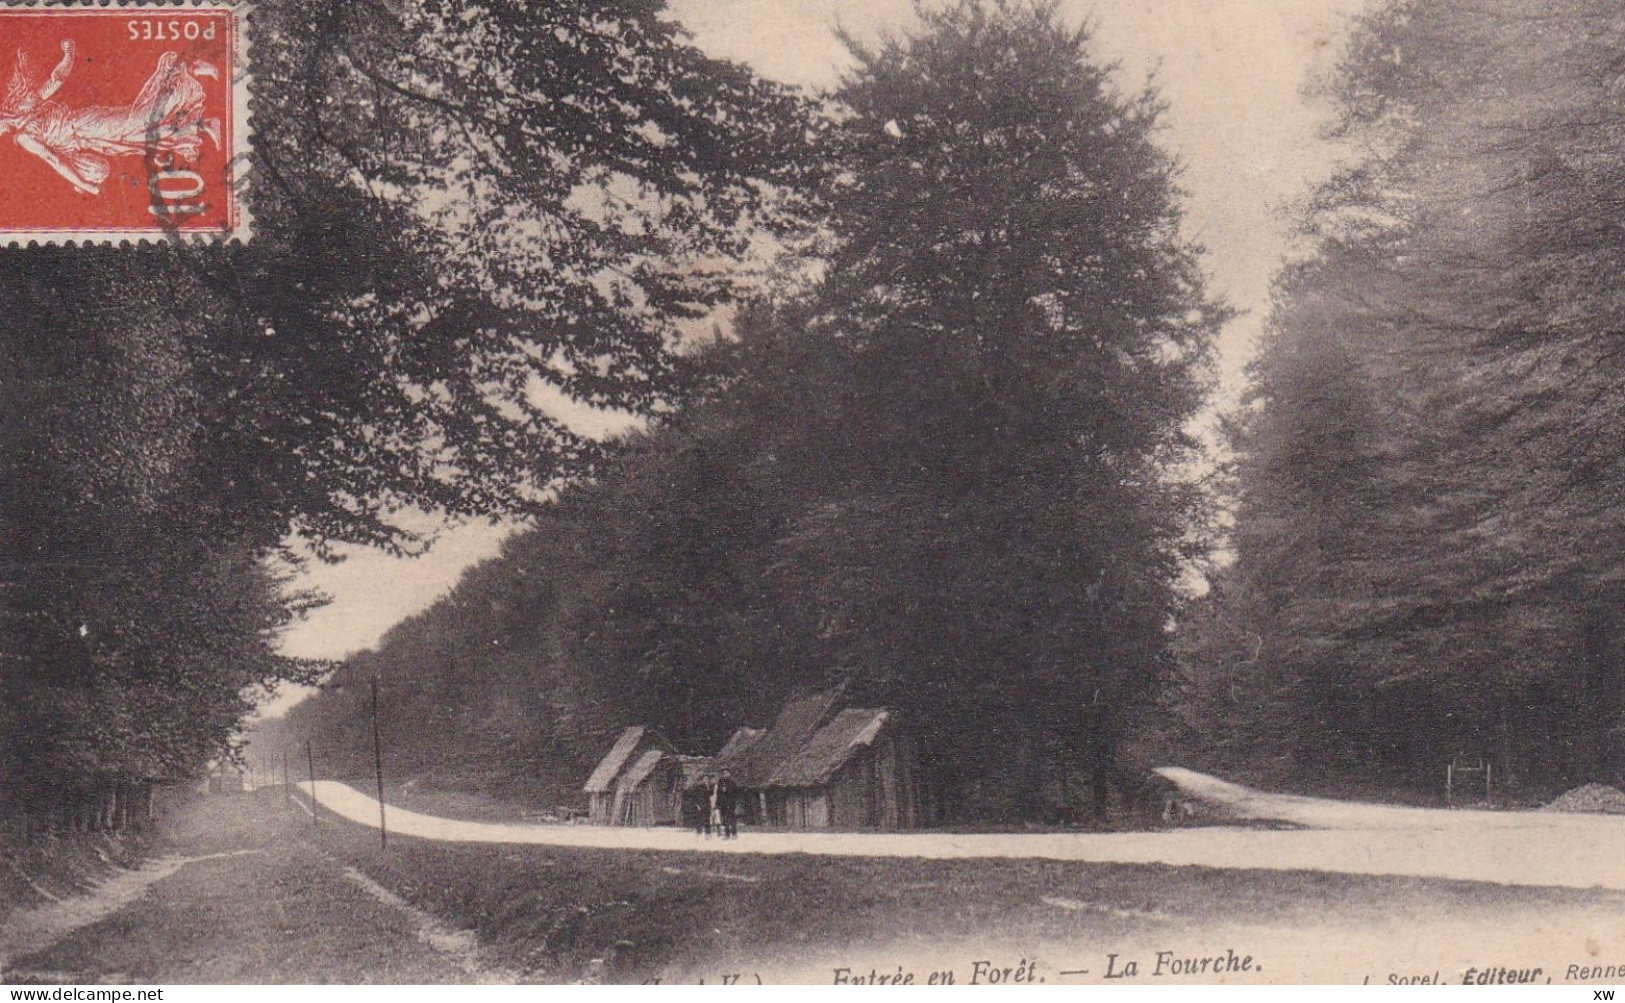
{"x":1591,"y":798}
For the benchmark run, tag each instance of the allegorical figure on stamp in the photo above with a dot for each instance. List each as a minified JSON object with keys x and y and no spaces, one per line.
{"x":165,"y":118}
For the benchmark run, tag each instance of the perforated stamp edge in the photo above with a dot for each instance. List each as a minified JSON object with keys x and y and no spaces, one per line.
{"x":239,"y":162}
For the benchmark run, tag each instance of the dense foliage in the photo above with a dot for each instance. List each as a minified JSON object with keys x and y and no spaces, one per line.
{"x":1428,"y":532}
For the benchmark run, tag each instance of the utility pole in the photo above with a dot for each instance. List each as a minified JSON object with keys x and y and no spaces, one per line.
{"x":378,"y":766}
{"x":310,"y":760}
{"x":287,"y":792}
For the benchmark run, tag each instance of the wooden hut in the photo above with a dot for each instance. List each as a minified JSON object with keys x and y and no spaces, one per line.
{"x":650,"y":791}
{"x":823,"y":767}
{"x":628,"y":751}
{"x":857,"y":771}
{"x":752,"y":755}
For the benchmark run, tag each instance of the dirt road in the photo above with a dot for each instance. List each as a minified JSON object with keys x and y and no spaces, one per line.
{"x":1509,"y":848}
{"x":256,"y":892}
{"x":243,"y":898}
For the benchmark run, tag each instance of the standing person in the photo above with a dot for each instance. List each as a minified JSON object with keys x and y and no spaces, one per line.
{"x":713,"y":815}
{"x":697,"y":807}
{"x":726,"y":798}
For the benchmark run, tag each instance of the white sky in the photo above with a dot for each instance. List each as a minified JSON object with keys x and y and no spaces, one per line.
{"x":1232,"y":73}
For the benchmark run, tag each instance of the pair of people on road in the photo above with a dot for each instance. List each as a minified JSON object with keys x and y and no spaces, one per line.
{"x":713,"y":806}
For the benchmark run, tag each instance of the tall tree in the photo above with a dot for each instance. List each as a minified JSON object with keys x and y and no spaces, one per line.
{"x":1465,"y":595}
{"x":1029,"y":336}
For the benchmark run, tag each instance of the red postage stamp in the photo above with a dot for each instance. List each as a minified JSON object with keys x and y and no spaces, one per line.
{"x":125,"y":122}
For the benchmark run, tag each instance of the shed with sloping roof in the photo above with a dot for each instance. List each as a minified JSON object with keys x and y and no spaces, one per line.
{"x":753,"y":763}
{"x":858,"y":770}
{"x":649,"y":792}
{"x":629,"y":749}
{"x":752,"y":754}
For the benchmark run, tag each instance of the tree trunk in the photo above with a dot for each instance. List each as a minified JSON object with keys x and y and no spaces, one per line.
{"x":1508,"y":771}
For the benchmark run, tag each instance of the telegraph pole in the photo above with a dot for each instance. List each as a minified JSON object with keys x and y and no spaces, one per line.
{"x":378,"y":766}
{"x":287,"y":792}
{"x":310,"y":760}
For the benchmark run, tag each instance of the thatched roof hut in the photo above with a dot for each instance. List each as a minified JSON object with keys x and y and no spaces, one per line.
{"x":649,"y":792}
{"x":754,"y":763}
{"x":628,"y":751}
{"x":858,"y":771}
{"x":830,"y":748}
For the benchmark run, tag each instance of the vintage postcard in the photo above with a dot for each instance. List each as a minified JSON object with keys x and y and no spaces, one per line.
{"x":1007,"y":493}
